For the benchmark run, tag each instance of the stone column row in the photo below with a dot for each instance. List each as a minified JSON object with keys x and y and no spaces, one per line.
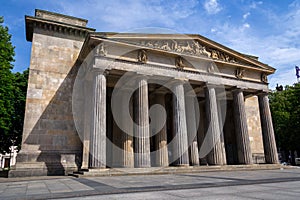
{"x":181,"y":126}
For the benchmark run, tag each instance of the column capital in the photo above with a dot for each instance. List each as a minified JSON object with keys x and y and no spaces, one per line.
{"x":262,"y":94}
{"x":177,"y":81}
{"x":238,"y":89}
{"x":140,"y":76}
{"x":97,"y":71}
{"x":215,"y":85}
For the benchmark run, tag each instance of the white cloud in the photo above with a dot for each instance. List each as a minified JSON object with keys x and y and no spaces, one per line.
{"x":212,"y":6}
{"x":280,"y":49}
{"x":123,"y":15}
{"x":254,"y":4}
{"x":246,"y":25}
{"x":246,"y":15}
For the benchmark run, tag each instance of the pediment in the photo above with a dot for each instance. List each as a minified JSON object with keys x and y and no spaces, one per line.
{"x":188,"y":45}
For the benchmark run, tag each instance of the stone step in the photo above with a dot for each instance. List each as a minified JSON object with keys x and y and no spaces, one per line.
{"x":172,"y":170}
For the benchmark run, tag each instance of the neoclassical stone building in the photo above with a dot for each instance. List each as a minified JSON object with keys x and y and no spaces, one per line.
{"x":133,"y":100}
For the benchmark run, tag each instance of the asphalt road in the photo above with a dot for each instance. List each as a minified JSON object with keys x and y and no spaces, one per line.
{"x":258,"y":184}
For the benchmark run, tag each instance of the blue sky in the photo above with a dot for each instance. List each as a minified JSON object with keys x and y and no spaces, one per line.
{"x":269,"y":29}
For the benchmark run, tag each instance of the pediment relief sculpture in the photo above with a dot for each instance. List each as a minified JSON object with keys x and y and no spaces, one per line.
{"x":239,"y":73}
{"x":189,"y":47}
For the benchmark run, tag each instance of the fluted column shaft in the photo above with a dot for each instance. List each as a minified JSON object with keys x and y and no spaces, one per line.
{"x":180,"y":128}
{"x":220,"y":106}
{"x":241,"y":128}
{"x":267,"y":129}
{"x":98,"y":132}
{"x":87,"y":125}
{"x":127,"y":139}
{"x":201,"y":132}
{"x":192,"y":129}
{"x":142,"y":132}
{"x":162,"y":159}
{"x":215,"y":157}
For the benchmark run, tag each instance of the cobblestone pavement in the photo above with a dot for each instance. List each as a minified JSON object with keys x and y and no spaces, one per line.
{"x":258,"y":184}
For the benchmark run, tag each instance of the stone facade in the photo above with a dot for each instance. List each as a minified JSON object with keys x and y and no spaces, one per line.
{"x":208,"y":91}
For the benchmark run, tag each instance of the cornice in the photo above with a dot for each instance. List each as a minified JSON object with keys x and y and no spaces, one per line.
{"x":50,"y":25}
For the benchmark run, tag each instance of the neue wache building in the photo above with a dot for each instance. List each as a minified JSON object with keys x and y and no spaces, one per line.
{"x":103,"y":102}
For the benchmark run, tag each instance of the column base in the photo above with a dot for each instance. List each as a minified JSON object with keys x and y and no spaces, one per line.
{"x":182,"y":165}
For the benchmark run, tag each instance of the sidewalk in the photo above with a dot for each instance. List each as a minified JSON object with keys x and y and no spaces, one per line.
{"x":66,"y":187}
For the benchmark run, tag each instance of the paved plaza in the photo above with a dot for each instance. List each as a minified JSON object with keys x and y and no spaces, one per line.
{"x":258,"y":184}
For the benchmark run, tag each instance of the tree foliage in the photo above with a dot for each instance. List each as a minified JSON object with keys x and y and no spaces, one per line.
{"x":285,"y":108}
{"x":13,"y":88}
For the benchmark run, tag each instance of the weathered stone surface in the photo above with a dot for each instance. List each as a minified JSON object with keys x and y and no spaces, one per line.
{"x":48,"y":123}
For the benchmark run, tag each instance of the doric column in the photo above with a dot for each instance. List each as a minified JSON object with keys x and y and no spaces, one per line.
{"x":267,"y":129}
{"x":127,"y":139}
{"x":241,"y":128}
{"x":222,"y":115}
{"x":216,"y":155}
{"x":180,"y":128}
{"x":142,"y":132}
{"x":98,"y":132}
{"x":161,"y":137}
{"x":117,"y":147}
{"x":87,"y":125}
{"x":192,"y":129}
{"x":201,"y":131}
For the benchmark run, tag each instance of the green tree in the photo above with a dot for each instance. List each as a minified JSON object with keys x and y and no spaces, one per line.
{"x":20,"y":90}
{"x":13,"y":87}
{"x":285,"y":108}
{"x":6,"y":86}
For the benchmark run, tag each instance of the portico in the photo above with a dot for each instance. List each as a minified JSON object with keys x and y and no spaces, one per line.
{"x":156,"y":82}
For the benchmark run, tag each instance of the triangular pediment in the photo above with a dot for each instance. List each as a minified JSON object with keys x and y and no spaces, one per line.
{"x":189,"y":45}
